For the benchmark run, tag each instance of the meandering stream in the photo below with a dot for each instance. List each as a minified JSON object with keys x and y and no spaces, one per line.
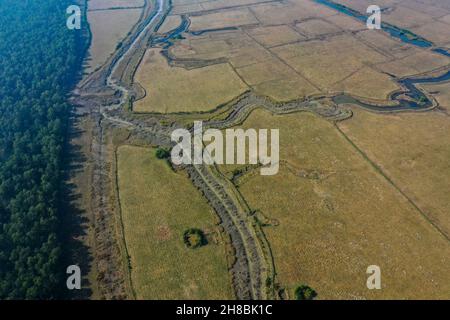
{"x":421,"y":101}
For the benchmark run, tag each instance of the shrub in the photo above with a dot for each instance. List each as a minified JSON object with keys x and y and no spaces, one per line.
{"x":304,"y":292}
{"x":194,"y":238}
{"x":162,"y":153}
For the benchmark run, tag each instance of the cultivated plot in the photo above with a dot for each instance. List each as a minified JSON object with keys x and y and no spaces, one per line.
{"x":108,"y":28}
{"x":339,"y":215}
{"x":158,"y":205}
{"x":175,"y":89}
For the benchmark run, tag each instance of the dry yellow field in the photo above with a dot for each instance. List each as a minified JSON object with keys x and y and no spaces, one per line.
{"x":427,"y":19}
{"x":219,"y":4}
{"x":437,"y":32}
{"x":106,"y":4}
{"x":290,"y":11}
{"x":441,"y":92}
{"x":158,"y":205}
{"x":417,"y":63}
{"x":339,"y":215}
{"x":286,"y":89}
{"x":272,"y":69}
{"x":170,"y":23}
{"x":414,"y":151}
{"x":108,"y":28}
{"x":346,"y":23}
{"x":327,"y":62}
{"x":316,"y":27}
{"x":274,"y":35}
{"x":223,"y":19}
{"x":175,"y":89}
{"x":389,"y":46}
{"x":299,"y":48}
{"x":405,"y":17}
{"x":368,"y":83}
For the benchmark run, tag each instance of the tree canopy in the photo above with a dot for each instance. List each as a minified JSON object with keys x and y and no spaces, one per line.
{"x":39,"y":61}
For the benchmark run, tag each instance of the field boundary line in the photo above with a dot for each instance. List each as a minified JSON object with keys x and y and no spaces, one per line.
{"x":392,"y":183}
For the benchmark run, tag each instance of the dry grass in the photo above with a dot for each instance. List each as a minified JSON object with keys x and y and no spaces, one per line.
{"x":437,"y":32}
{"x":426,"y":19}
{"x":274,"y":35}
{"x":272,"y":69}
{"x":368,"y":83}
{"x":346,"y":23}
{"x":108,"y":28}
{"x":238,"y":47}
{"x":286,"y":89}
{"x":357,"y":64}
{"x":158,"y":205}
{"x":106,"y":4}
{"x":386,"y":44}
{"x":174,"y":89}
{"x":414,"y":151}
{"x":222,"y":19}
{"x":329,"y":61}
{"x":290,"y":12}
{"x":275,"y":79}
{"x":405,"y":17}
{"x":316,"y":27}
{"x":170,"y":23}
{"x":441,"y":92}
{"x":220,"y":4}
{"x":445,"y":19}
{"x":420,"y":62}
{"x":188,"y":8}
{"x":337,"y":215}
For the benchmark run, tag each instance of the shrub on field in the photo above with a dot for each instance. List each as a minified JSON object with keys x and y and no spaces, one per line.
{"x":304,"y":292}
{"x":194,"y":238}
{"x":162,"y":153}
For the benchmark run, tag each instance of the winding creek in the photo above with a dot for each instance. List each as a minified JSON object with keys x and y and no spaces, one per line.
{"x":419,"y":101}
{"x":254,"y":266}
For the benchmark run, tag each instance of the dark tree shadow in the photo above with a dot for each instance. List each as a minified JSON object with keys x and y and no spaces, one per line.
{"x":75,"y":223}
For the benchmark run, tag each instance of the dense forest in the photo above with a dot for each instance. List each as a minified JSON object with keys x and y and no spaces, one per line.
{"x":39,"y":62}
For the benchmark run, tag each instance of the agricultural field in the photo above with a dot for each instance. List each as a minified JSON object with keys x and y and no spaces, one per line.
{"x":413,"y":150}
{"x":441,"y":93}
{"x":339,"y":215}
{"x":170,"y":23}
{"x":317,"y":60}
{"x":158,"y":205}
{"x":225,"y":19}
{"x":426,"y":19}
{"x":355,"y":188}
{"x":114,"y":4}
{"x":175,"y":89}
{"x":288,"y":50}
{"x":108,"y":28}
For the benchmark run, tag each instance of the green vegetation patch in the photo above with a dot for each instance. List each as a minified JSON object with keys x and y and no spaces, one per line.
{"x":304,"y":292}
{"x":194,"y":238}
